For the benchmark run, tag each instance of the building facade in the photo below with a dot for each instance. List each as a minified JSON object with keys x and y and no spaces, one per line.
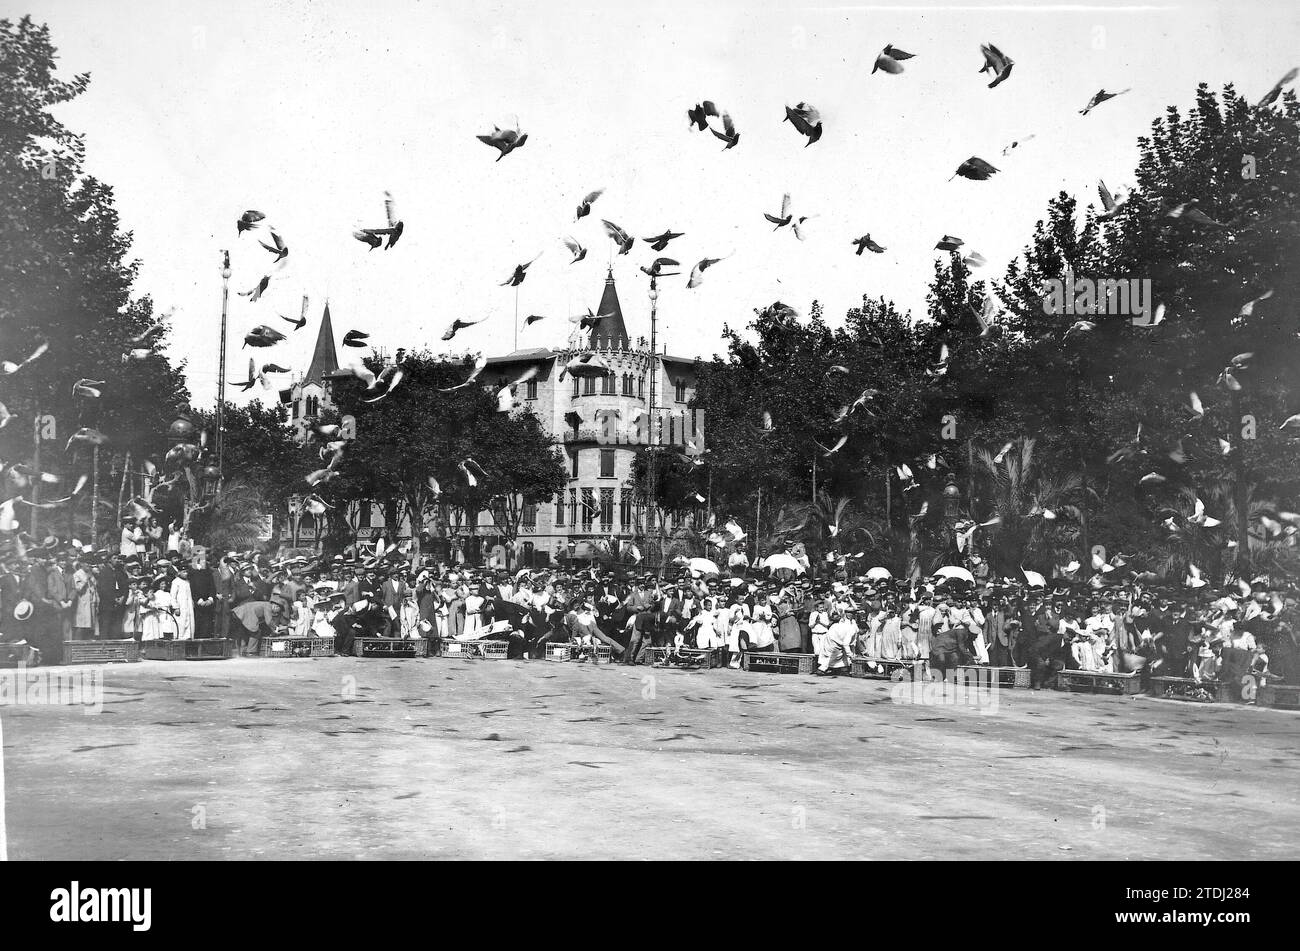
{"x":604,"y":396}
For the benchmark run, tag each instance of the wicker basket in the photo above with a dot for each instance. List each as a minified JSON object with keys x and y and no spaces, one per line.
{"x":282,"y":647}
{"x":1280,"y":696}
{"x":558,"y":651}
{"x":1185,"y":688}
{"x":199,"y":648}
{"x":688,"y":658}
{"x":390,"y":647}
{"x":768,"y":662}
{"x":479,"y":650}
{"x":1099,"y":681}
{"x":882,"y":668}
{"x":101,"y":652}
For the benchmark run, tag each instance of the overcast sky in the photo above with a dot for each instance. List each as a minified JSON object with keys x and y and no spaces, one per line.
{"x":309,"y":111}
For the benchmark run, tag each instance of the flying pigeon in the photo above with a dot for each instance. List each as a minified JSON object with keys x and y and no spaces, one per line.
{"x":278,"y":248}
{"x":1110,"y":206}
{"x":249,"y":220}
{"x":697,"y":272}
{"x":619,"y":236}
{"x":355,"y":338}
{"x":786,"y":216}
{"x":698,"y":115}
{"x":806,"y":120}
{"x":88,"y":388}
{"x":584,"y":206}
{"x":577,"y":250}
{"x":996,"y":62}
{"x":949,"y":243}
{"x":1098,"y":98}
{"x":459,"y":324}
{"x":504,"y":140}
{"x":974,"y":168}
{"x":890,"y":60}
{"x":256,"y":292}
{"x":517,"y":277}
{"x":833,"y":449}
{"x":865,"y":243}
{"x":1271,"y":96}
{"x":91,"y":437}
{"x":1017,"y":143}
{"x":8,"y":366}
{"x":659,"y":264}
{"x":386,"y":382}
{"x":660,"y":241}
{"x":728,"y":133}
{"x":479,"y":363}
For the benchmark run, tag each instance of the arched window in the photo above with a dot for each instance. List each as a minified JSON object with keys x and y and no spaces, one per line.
{"x":607,"y":385}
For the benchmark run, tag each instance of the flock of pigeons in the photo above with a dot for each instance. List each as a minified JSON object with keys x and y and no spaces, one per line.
{"x":704,"y":116}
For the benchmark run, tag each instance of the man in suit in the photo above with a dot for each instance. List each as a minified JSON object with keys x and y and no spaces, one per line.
{"x":223,"y":589}
{"x":670,"y":615}
{"x":640,"y":605}
{"x":203,"y":590}
{"x":110,"y":581}
{"x":391,"y":595}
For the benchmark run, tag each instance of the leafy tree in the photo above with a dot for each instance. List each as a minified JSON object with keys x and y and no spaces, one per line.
{"x":66,"y":279}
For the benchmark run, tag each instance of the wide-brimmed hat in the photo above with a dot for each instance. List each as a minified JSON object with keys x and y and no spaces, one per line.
{"x":23,"y":610}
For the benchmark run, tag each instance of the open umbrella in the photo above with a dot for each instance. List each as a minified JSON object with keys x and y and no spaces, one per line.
{"x":703,"y":566}
{"x":782,"y":561}
{"x":955,"y":571}
{"x":878,"y":573}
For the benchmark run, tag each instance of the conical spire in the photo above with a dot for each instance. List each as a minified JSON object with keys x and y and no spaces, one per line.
{"x":610,"y":331}
{"x":325,"y":358}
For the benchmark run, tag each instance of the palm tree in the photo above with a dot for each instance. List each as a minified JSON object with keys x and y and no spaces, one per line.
{"x":233,"y":518}
{"x":1032,"y":506}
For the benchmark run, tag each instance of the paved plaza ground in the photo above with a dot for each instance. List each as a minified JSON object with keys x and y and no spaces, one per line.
{"x":446,"y":758}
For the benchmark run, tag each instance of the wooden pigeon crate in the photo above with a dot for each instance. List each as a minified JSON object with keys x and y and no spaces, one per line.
{"x":1281,"y":696}
{"x":881,"y":668}
{"x":478,"y":650}
{"x":1185,"y":688}
{"x":1099,"y":681}
{"x":126,"y":651}
{"x":282,"y":647}
{"x":15,"y":655}
{"x":768,"y":662}
{"x":690,"y":658}
{"x":603,"y":653}
{"x":1002,"y":676}
{"x":199,"y":648}
{"x":390,"y":647}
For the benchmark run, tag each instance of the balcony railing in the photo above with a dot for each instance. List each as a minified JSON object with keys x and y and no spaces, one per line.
{"x":581,"y":435}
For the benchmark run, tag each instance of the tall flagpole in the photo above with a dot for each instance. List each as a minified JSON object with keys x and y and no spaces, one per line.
{"x":221,"y":364}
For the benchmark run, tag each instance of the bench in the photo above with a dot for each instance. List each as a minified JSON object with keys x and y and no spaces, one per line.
{"x":689,"y":658}
{"x":198,"y":648}
{"x":481,"y":650}
{"x":281,"y":647}
{"x":1185,"y":688}
{"x":769,"y":662}
{"x":1099,"y":681}
{"x":390,"y":647}
{"x":126,"y":651}
{"x":1279,"y":696}
{"x":886,"y":668}
{"x":1003,"y":676}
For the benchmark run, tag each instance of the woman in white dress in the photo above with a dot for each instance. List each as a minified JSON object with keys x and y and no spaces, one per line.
{"x":760,"y":636}
{"x":158,"y":621}
{"x":473,"y":619}
{"x":408,"y":616}
{"x":183,"y":606}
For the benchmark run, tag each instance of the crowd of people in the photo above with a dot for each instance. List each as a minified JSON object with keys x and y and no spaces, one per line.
{"x":161,"y":587}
